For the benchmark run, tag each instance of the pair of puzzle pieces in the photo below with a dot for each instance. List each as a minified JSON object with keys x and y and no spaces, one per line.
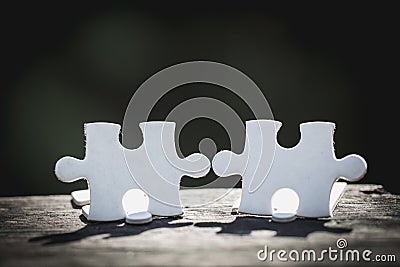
{"x":310,"y":169}
{"x":111,"y":170}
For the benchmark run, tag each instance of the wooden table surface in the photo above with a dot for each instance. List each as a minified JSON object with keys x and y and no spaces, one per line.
{"x":49,"y":231}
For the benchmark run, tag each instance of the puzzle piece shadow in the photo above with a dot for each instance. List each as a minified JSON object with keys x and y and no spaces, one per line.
{"x":74,"y":206}
{"x":113,"y":229}
{"x":298,"y":228}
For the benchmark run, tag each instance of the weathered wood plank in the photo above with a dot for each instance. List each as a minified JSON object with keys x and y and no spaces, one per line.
{"x":47,"y":230}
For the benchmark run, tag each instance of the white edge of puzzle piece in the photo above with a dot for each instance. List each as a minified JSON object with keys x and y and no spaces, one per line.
{"x":141,"y":217}
{"x":236,"y":204}
{"x":283,"y":217}
{"x":336,"y":193}
{"x":86,"y":211}
{"x":81,"y":197}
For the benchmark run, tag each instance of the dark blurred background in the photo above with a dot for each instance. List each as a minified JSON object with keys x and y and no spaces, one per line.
{"x":64,"y":65}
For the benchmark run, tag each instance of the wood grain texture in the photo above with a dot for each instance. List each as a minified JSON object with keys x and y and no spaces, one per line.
{"x":49,"y":231}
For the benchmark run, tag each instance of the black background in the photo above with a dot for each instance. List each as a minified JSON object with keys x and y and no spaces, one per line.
{"x":64,"y":65}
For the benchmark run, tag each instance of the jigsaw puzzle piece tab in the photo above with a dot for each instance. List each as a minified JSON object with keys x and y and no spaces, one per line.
{"x":69,"y":169}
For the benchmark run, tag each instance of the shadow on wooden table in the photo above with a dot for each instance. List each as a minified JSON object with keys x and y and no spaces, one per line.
{"x":299,"y":228}
{"x":240,"y":226}
{"x":113,"y":229}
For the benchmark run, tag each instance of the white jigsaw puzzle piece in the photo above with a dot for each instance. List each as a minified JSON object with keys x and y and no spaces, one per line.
{"x":310,"y":168}
{"x":111,"y":170}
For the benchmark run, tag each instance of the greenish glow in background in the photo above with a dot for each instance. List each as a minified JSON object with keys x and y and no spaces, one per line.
{"x":70,"y":65}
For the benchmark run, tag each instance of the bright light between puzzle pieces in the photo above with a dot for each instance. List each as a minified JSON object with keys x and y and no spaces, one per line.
{"x":285,"y":200}
{"x":134,"y":201}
